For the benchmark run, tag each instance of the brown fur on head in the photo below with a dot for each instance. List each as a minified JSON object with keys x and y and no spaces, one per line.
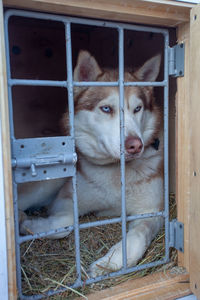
{"x":87,"y":69}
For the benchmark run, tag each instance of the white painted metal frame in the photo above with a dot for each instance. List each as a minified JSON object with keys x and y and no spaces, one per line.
{"x":69,"y":84}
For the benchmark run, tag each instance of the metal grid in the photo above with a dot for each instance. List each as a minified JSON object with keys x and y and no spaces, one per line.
{"x":69,"y":84}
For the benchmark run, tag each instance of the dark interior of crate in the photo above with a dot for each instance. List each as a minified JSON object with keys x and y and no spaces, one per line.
{"x":37,"y":51}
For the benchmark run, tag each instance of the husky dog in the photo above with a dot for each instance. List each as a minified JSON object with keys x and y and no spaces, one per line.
{"x":97,"y":135}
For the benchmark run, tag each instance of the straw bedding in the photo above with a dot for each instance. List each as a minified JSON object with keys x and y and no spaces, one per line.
{"x":50,"y":264}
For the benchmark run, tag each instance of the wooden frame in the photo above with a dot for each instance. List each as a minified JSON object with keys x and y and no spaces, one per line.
{"x":195,"y":157}
{"x":163,"y":13}
{"x":5,"y":129}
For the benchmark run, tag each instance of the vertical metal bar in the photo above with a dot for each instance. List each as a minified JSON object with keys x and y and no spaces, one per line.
{"x":166,"y":146}
{"x":9,"y":77}
{"x":17,"y":246}
{"x":122,"y":150}
{"x":71,"y":117}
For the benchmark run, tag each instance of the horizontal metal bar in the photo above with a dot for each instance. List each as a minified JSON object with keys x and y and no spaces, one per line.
{"x":34,"y":82}
{"x":145,"y":216}
{"x":116,"y":83}
{"x":95,"y":83}
{"x":126,"y":271}
{"x":54,"y":83}
{"x":146,"y":83}
{"x":25,"y":238}
{"x":84,"y":21}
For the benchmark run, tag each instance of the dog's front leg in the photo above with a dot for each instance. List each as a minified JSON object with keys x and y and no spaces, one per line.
{"x":139,"y":237}
{"x":60,"y":216}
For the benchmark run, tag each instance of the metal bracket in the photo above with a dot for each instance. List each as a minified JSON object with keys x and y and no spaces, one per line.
{"x":176,"y":60}
{"x":176,"y":230}
{"x":43,"y":158}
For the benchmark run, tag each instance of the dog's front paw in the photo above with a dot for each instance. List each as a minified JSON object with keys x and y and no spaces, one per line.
{"x":25,"y":227}
{"x":21,"y":216}
{"x":111,"y":262}
{"x":101,"y":267}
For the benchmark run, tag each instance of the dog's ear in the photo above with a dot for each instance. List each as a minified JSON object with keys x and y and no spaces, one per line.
{"x":150,"y":70}
{"x":87,"y":68}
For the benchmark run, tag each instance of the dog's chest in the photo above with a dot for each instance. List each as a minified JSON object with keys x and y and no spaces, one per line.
{"x":99,"y":188}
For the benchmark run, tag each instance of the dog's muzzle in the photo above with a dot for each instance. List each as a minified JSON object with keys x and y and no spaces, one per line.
{"x":133,"y":145}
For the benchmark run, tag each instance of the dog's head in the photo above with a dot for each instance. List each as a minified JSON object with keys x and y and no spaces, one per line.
{"x":97,"y":121}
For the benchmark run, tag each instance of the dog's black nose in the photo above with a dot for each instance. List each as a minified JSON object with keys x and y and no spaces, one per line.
{"x":133,"y":145}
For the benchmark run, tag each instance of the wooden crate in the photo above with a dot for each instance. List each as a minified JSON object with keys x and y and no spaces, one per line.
{"x":185,"y":18}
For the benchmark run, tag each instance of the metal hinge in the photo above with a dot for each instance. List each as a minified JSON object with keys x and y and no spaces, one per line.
{"x":176,"y":230}
{"x":176,"y":60}
{"x":43,"y":158}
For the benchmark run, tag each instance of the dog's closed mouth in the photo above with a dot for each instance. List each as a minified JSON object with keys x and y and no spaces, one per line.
{"x":129,"y":157}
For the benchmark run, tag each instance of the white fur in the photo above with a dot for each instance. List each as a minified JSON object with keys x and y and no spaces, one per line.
{"x":98,"y":181}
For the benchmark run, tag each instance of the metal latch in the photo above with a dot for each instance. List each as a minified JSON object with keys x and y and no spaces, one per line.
{"x":43,"y":158}
{"x":176,"y":230}
{"x":176,"y":60}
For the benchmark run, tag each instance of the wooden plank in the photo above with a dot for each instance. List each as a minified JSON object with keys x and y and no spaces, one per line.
{"x":7,"y":166}
{"x":166,"y":13}
{"x":183,"y":146}
{"x":194,"y":113}
{"x":169,"y":285}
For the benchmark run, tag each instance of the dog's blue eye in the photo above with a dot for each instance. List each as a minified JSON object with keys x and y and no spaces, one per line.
{"x":137,"y":109}
{"x":106,"y":109}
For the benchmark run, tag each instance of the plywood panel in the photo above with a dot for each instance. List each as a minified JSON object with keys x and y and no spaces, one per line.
{"x":167,"y":13}
{"x":194,"y":113}
{"x":7,"y":165}
{"x":183,"y":146}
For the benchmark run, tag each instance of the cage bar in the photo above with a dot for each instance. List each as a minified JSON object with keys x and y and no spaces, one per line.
{"x":70,"y":84}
